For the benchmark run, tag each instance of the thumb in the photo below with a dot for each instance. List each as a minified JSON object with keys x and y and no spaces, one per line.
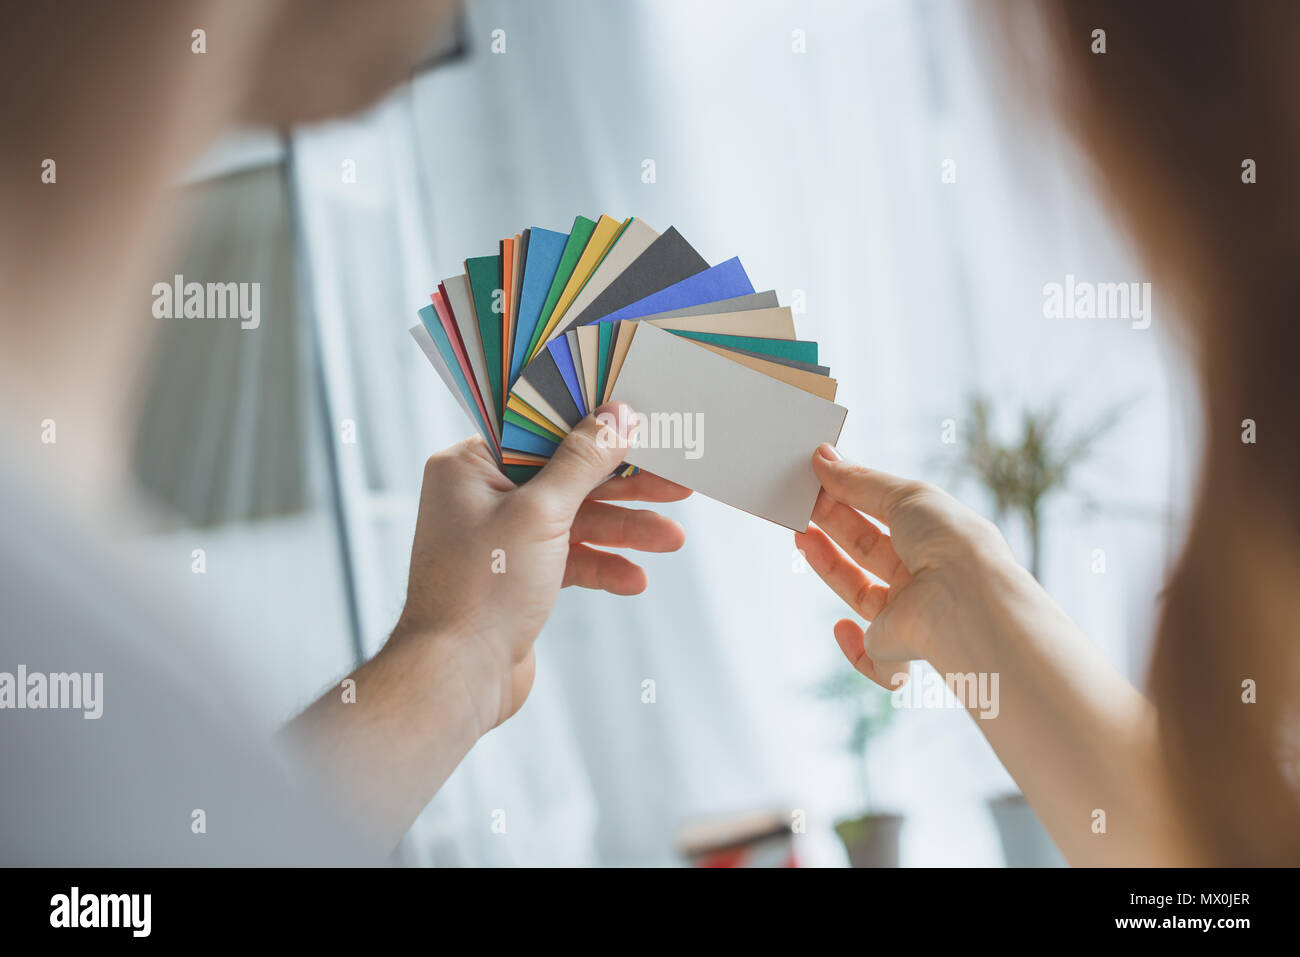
{"x":586,"y":457}
{"x":867,"y":490}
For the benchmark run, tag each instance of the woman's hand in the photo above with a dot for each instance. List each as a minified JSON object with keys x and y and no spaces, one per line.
{"x":1074,"y":733}
{"x":489,"y":559}
{"x":945,"y":570}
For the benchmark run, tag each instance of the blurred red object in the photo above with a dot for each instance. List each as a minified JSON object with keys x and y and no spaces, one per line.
{"x":755,"y":839}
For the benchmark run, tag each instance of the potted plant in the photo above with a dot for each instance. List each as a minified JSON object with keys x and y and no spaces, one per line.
{"x":1019,"y":477}
{"x":871,"y":838}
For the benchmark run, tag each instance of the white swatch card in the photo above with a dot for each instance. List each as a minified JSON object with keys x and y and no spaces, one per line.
{"x":724,"y":430}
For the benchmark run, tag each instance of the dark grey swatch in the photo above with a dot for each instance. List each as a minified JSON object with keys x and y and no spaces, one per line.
{"x":544,"y":376}
{"x":667,"y":260}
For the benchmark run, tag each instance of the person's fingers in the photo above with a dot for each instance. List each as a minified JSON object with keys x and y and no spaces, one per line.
{"x":860,"y":538}
{"x":892,"y":636}
{"x":616,"y":527}
{"x":474,"y":447}
{"x":472,"y":454}
{"x":584,"y":459}
{"x":641,"y":487}
{"x":870,"y":491}
{"x":852,"y":640}
{"x":591,"y":568}
{"x":844,"y":577}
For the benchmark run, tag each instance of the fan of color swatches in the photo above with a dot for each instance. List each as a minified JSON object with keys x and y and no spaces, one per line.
{"x":539,"y":334}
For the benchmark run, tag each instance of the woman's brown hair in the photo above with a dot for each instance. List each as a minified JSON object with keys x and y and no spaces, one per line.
{"x":1190,"y":116}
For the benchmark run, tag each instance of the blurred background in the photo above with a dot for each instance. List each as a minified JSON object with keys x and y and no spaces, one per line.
{"x":865,"y":160}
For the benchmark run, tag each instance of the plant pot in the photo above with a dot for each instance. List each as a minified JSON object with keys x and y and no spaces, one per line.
{"x":871,"y":840}
{"x":1025,"y":842}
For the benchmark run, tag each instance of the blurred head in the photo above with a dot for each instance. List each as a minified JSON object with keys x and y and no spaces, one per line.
{"x":287,"y":61}
{"x":326,"y":57}
{"x":102,"y":107}
{"x":1183,"y":96}
{"x":121,"y":95}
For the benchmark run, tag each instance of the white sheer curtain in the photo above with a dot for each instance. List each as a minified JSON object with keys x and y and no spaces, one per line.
{"x":822,"y":171}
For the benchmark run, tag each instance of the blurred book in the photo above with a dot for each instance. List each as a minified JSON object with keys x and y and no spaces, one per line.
{"x":755,"y":839}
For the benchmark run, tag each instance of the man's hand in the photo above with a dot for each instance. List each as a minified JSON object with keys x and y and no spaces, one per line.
{"x":489,"y":559}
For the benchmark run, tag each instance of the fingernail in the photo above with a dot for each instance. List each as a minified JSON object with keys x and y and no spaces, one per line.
{"x":829,"y":452}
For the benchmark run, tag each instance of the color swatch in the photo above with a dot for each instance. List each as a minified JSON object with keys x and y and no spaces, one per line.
{"x":533,"y":338}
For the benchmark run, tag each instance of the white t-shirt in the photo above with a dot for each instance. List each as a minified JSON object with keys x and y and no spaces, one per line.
{"x":172,"y":771}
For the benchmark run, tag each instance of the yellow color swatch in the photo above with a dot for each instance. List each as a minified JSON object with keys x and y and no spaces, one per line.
{"x":602,"y":237}
{"x":522,"y":408}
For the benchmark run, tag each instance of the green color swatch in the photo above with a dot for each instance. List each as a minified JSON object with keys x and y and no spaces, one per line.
{"x":604,"y":346}
{"x":578,"y":236}
{"x":519,"y":474}
{"x":523,"y":423}
{"x":797,"y":350}
{"x":484,"y":274}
